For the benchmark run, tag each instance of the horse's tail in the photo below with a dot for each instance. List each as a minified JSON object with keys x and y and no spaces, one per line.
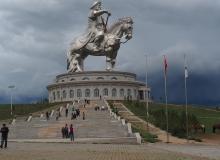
{"x":68,"y":60}
{"x":67,"y":64}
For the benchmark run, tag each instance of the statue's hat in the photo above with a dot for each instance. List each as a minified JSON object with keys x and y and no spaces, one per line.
{"x":95,"y":4}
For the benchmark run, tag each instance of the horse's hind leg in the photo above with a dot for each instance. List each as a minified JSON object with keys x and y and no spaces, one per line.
{"x":79,"y":63}
{"x":113,"y":59}
{"x":113,"y":63}
{"x":74,"y":62}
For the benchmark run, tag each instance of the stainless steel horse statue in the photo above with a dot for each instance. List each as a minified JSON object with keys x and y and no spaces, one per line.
{"x":108,"y":46}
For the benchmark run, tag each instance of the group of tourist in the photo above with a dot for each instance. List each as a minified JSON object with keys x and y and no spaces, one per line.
{"x":102,"y":108}
{"x":75,"y":113}
{"x":68,"y":132}
{"x":87,"y":101}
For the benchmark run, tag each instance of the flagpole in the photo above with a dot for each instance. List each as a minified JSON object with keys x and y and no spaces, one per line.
{"x":186,"y":99}
{"x":147,"y":100}
{"x":165,"y":86}
{"x":166,"y":109}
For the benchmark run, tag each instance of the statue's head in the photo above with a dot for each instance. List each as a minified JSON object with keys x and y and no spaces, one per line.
{"x":96,"y":5}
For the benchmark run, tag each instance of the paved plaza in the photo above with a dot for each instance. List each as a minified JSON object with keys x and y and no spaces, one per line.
{"x":58,"y":151}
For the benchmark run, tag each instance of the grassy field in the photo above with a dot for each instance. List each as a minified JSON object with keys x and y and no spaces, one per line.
{"x":21,"y":109}
{"x":206,"y":116}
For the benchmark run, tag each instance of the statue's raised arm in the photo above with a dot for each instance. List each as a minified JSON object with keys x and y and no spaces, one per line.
{"x":96,"y":24}
{"x":98,"y":40}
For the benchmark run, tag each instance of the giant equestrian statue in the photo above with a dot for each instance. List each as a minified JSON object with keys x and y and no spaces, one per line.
{"x":99,"y":39}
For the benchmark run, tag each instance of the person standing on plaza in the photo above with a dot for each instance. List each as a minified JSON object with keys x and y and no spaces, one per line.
{"x":66,"y":131}
{"x":4,"y":138}
{"x":71,"y":133}
{"x":84,"y":116}
{"x":63,"y":132}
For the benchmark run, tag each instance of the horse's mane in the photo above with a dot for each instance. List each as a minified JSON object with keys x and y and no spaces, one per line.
{"x":119,"y":22}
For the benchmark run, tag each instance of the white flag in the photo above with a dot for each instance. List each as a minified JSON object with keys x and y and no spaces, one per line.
{"x":186,"y":72}
{"x":185,"y":66}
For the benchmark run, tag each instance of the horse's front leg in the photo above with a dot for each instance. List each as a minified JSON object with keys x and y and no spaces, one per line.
{"x":113,"y":59}
{"x":108,"y":64}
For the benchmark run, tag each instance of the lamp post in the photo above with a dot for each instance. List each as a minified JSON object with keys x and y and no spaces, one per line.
{"x":11,"y":87}
{"x":147,"y":100}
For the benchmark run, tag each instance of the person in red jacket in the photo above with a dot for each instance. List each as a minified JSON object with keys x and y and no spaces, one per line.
{"x":71,"y":133}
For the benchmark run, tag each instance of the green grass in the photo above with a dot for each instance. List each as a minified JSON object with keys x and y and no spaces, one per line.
{"x":146,"y":136}
{"x":206,"y":116}
{"x":21,"y":109}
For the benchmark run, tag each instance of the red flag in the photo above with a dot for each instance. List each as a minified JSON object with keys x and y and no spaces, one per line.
{"x":165,"y":65}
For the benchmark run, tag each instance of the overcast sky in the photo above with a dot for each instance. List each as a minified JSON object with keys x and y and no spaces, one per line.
{"x":35,"y":34}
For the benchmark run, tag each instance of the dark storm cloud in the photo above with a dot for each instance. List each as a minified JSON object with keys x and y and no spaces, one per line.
{"x":34,"y":37}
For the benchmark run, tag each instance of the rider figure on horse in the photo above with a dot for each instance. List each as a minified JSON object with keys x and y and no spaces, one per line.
{"x":96,"y":25}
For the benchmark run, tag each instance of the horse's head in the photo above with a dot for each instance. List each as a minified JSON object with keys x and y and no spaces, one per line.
{"x":123,"y":28}
{"x":127,"y":27}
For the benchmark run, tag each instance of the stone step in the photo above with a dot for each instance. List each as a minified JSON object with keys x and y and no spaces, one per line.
{"x":102,"y":140}
{"x":98,"y":125}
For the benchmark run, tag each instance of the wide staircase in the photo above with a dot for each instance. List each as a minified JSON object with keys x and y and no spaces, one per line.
{"x":97,"y":127}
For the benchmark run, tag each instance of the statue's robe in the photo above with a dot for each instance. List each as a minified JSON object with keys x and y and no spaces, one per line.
{"x":95,"y":24}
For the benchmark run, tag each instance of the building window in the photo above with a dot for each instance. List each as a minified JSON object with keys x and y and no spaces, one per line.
{"x":105,"y":92}
{"x":63,"y":80}
{"x":96,"y":92}
{"x":54,"y":96}
{"x":72,"y":79}
{"x":114,"y":78}
{"x":71,"y":93}
{"x":122,"y":93}
{"x":87,"y":93}
{"x":85,"y":78}
{"x":114,"y":92}
{"x":100,"y":78}
{"x":64,"y":94}
{"x":129,"y":92}
{"x":79,"y":93}
{"x":135,"y":93}
{"x":58,"y":94}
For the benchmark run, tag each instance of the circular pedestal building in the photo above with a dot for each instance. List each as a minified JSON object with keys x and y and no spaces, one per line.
{"x":93,"y":85}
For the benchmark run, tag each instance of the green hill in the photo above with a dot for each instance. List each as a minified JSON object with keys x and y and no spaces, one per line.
{"x":21,"y":109}
{"x":205,"y":116}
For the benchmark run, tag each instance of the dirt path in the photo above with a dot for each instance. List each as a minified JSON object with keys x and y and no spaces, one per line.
{"x":211,"y":139}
